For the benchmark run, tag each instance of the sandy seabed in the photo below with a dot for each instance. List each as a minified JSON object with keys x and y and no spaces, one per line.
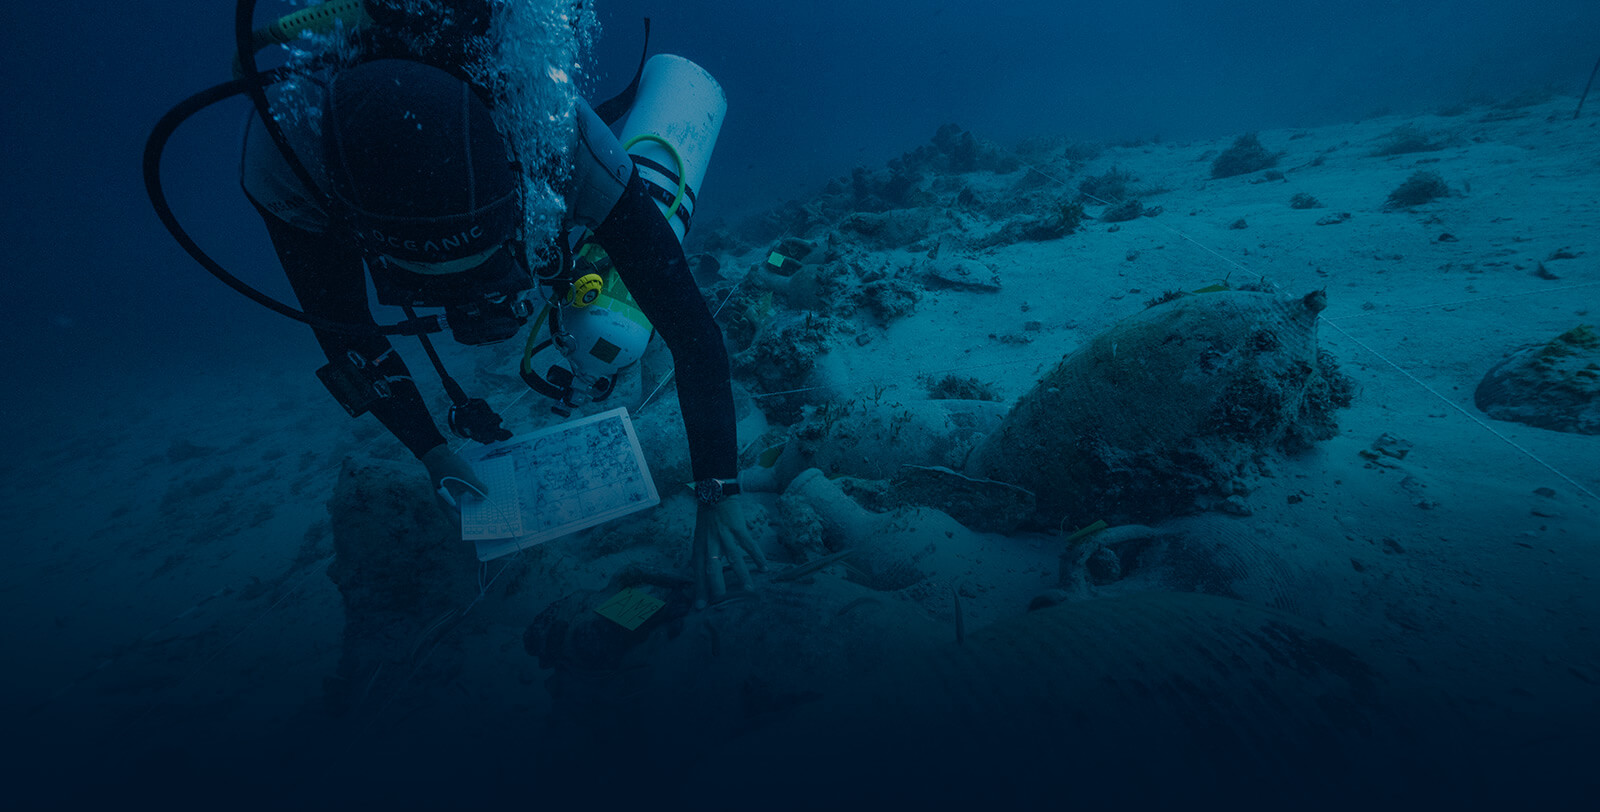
{"x":167,"y":593}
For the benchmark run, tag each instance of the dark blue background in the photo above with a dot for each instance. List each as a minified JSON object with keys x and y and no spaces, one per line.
{"x":98,"y":295}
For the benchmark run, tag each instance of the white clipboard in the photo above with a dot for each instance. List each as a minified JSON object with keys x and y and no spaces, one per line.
{"x":555,"y":481}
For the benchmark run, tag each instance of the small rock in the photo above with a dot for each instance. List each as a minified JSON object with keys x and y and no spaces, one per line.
{"x":1234,"y":505}
{"x":1104,"y":567}
{"x":961,"y":274}
{"x":795,"y":248}
{"x":1334,"y":219}
{"x":1239,"y":224}
{"x":1391,"y":446}
{"x":705,"y":268}
{"x":1448,"y":237}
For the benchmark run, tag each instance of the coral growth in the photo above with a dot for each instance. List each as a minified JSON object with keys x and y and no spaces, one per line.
{"x":1056,"y":222}
{"x":781,"y":358}
{"x":961,"y":387}
{"x":1405,"y":140}
{"x":1422,"y":187}
{"x":1246,"y":155}
{"x":1123,"y":212}
{"x":1112,"y":186}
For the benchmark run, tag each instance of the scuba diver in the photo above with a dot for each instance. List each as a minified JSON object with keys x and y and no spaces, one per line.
{"x":392,"y":165}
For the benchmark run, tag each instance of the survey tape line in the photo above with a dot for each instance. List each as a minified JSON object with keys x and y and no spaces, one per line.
{"x":1470,"y":416}
{"x":455,"y":623}
{"x":1458,"y":302}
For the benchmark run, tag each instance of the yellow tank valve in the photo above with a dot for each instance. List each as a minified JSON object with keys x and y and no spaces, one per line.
{"x":585,"y":290}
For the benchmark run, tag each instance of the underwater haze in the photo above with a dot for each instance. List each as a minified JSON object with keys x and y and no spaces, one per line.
{"x":814,"y":91}
{"x":1147,"y":403}
{"x":821,"y":87}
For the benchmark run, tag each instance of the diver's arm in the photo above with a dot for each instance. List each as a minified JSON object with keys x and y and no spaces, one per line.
{"x":651,"y":262}
{"x":327,"y":276}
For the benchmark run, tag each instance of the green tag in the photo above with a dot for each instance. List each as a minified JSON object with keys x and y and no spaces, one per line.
{"x":776,"y":259}
{"x":629,"y":608}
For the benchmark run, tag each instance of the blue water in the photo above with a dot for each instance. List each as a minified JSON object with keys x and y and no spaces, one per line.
{"x":814,"y":90}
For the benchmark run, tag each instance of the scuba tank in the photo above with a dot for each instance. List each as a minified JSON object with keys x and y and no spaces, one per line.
{"x":591,"y":331}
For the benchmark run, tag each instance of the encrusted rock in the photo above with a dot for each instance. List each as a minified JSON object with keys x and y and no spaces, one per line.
{"x":1171,"y":410}
{"x":960,"y":274}
{"x":888,"y":229}
{"x":1554,"y":385}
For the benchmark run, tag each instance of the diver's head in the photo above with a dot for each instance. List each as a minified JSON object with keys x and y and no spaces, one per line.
{"x":425,"y":179}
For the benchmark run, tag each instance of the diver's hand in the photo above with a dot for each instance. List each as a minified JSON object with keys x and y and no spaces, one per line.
{"x":451,"y":477}
{"x":721,"y":538}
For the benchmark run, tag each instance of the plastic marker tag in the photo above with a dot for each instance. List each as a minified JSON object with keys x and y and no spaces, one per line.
{"x":629,"y":608}
{"x":1085,"y":532}
{"x":776,"y":259}
{"x":770,"y":457}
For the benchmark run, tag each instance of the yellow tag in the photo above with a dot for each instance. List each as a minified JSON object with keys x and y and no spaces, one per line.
{"x":629,"y":608}
{"x":1085,"y":532}
{"x":770,"y":457}
{"x":776,"y":259}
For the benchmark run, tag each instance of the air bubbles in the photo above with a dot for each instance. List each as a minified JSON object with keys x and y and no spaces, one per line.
{"x":531,"y":43}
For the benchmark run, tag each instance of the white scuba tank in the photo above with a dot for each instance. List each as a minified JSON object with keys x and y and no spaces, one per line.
{"x":672,"y":129}
{"x":670,"y":132}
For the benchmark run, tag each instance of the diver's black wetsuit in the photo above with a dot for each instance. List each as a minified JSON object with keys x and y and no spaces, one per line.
{"x":327,"y":272}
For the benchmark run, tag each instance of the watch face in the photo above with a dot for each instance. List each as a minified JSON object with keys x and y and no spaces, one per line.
{"x":708,"y":491}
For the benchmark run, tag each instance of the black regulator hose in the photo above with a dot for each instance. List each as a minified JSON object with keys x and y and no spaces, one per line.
{"x":244,"y":36}
{"x":153,"y":149}
{"x":253,"y":82}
